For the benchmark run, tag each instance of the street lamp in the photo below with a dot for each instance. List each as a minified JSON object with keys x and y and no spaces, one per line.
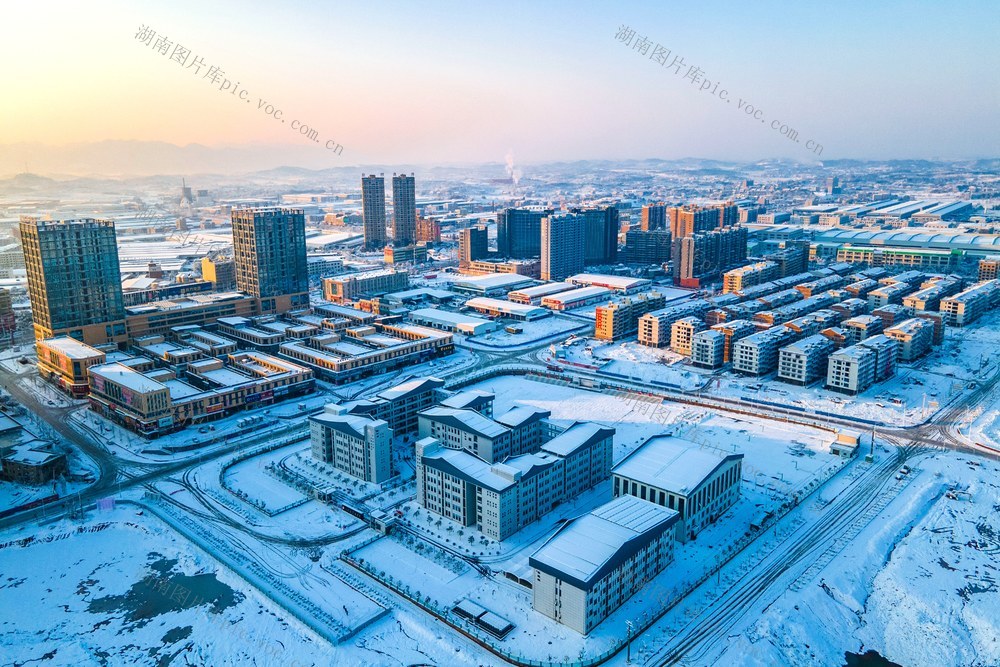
{"x":628,"y":644}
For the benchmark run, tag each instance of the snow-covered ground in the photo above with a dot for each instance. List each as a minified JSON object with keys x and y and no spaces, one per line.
{"x":535,"y":331}
{"x":160,"y":600}
{"x":629,"y":360}
{"x":94,"y":602}
{"x":918,"y":585}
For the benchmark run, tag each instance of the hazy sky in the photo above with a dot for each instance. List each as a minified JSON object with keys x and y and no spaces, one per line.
{"x":457,"y":81}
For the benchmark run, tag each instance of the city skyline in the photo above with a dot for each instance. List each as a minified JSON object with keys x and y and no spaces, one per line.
{"x":858,"y":97}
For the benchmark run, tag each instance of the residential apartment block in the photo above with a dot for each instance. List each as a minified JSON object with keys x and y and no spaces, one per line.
{"x":617,"y":320}
{"x":708,"y":349}
{"x":682,"y":332}
{"x":757,"y":354}
{"x":805,"y":361}
{"x":655,"y":327}
{"x":915,"y":337}
{"x":851,"y":370}
{"x":969,"y":305}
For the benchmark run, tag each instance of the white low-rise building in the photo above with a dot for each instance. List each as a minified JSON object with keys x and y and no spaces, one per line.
{"x":576,"y":298}
{"x":622,"y":284}
{"x":501,"y":308}
{"x":596,"y":562}
{"x":681,"y":475}
{"x":449,"y":321}
{"x":357,"y":445}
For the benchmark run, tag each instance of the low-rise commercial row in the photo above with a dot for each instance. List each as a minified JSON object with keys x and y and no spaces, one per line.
{"x":368,"y":350}
{"x":158,"y":402}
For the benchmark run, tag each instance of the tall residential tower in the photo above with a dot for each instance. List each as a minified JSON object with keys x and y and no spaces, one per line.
{"x":373,"y":211}
{"x":562,"y":243}
{"x":74,"y":280}
{"x":270,"y":249}
{"x":404,"y":210}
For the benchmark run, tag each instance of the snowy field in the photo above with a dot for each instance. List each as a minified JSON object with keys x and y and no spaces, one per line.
{"x":124,"y":588}
{"x":160,"y":599}
{"x":919,"y":585}
{"x":250,"y":478}
{"x":536,"y":331}
{"x":631,"y":360}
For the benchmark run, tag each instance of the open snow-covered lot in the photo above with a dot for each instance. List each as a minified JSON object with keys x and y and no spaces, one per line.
{"x":918,"y":585}
{"x":123,"y":589}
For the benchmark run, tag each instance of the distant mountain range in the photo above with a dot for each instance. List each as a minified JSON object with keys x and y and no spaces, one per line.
{"x":147,"y":158}
{"x":146,"y":161}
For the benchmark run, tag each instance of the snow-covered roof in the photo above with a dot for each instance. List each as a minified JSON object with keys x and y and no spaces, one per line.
{"x":580,"y":434}
{"x":542,"y":290}
{"x":589,"y":547}
{"x":352,"y":425}
{"x":618,"y":283}
{"x":446,"y":317}
{"x":671,"y":464}
{"x":486,"y":303}
{"x":465,"y":420}
{"x":494,"y":280}
{"x":126,"y":377}
{"x":71,"y":348}
{"x":578,"y":294}
{"x":465,"y":466}
{"x":471,"y":398}
{"x":410,"y":387}
{"x":519,"y":415}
